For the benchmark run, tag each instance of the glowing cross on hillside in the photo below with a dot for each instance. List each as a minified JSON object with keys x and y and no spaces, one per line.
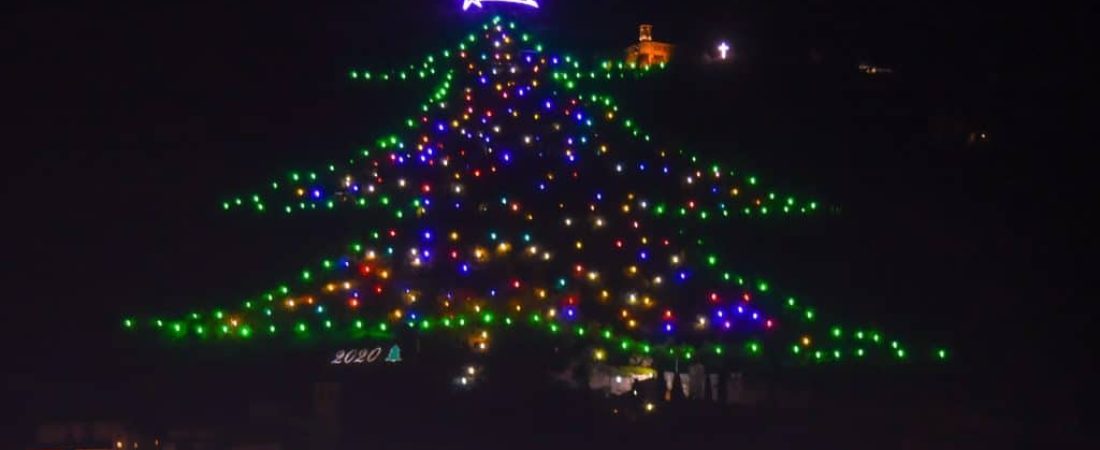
{"x":467,"y":3}
{"x":722,"y":49}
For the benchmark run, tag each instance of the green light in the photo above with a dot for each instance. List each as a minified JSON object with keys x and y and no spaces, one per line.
{"x":382,"y":327}
{"x":128,"y":323}
{"x":246,"y":332}
{"x":645,"y":348}
{"x":301,"y":327}
{"x":305,"y":275}
{"x":795,"y":349}
{"x":359,"y":324}
{"x":941,"y":354}
{"x":553,"y":328}
{"x":790,"y":301}
{"x":809,"y":314}
{"x":580,"y":331}
{"x":901,"y":353}
{"x":836,"y":354}
{"x":762,"y":286}
{"x":271,"y":329}
{"x":487,"y":318}
{"x":712,"y":260}
{"x":859,"y":352}
{"x":859,"y":334}
{"x":607,"y":334}
{"x":875,"y":337}
{"x":718,"y":349}
{"x":836,"y":332}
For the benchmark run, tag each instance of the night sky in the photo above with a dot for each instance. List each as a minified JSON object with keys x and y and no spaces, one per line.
{"x":127,"y":123}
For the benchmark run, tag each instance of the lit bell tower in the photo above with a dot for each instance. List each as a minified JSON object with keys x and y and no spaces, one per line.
{"x":647,"y":51}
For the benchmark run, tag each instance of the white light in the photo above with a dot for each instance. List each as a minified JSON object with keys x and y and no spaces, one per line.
{"x":723,"y":49}
{"x":467,"y":3}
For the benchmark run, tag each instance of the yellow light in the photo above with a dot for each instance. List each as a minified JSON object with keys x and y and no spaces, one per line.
{"x":592,"y":276}
{"x":604,"y":294}
{"x":657,"y":280}
{"x":397,"y":313}
{"x":649,"y":407}
{"x":454,"y":235}
{"x":599,"y":355}
{"x":579,"y":245}
{"x":806,"y":341}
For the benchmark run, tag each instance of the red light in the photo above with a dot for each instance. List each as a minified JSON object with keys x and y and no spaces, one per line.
{"x":713,"y":296}
{"x":353,"y":303}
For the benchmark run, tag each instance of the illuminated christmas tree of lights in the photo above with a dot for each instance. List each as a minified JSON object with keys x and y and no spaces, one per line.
{"x":520,"y":196}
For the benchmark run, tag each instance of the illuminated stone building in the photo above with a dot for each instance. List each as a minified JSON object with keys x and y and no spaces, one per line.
{"x":647,"y":51}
